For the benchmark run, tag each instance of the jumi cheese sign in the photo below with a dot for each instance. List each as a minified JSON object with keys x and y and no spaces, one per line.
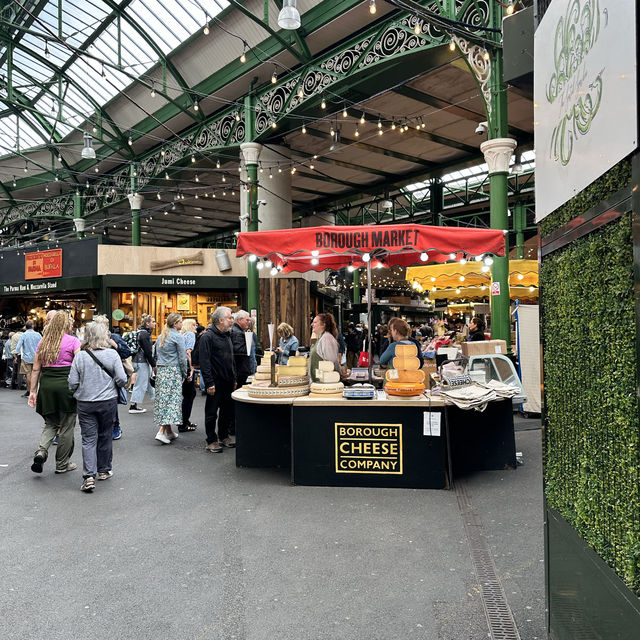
{"x":368,"y":448}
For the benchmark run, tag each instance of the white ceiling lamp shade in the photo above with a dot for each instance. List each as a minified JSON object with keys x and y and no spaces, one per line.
{"x":88,"y":152}
{"x":289,"y":16}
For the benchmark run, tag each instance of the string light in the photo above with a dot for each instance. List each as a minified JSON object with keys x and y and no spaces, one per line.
{"x":196,"y":105}
{"x":237,"y":116}
{"x":323,"y":104}
{"x":485,"y":55}
{"x":416,"y":28}
{"x":300,"y":92}
{"x":362,"y":119}
{"x":14,"y":183}
{"x":197,"y":179}
{"x":274,"y":76}
{"x":193,"y":158}
{"x":452,"y":45}
{"x":304,"y":129}
{"x":217,"y":163}
{"x":130,"y":141}
{"x":206,"y":25}
{"x":356,"y":132}
{"x":372,"y":7}
{"x":345,"y":113}
{"x":243,"y":57}
{"x":510,"y":8}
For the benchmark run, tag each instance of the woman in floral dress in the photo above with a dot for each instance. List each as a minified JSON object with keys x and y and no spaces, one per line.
{"x":172,"y":370}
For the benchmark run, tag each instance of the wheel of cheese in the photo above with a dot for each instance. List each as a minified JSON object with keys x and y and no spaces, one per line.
{"x":292,"y":381}
{"x":406,"y":363}
{"x":404,"y":375}
{"x":406,"y":350}
{"x":327,"y":387}
{"x":404,"y":389}
{"x":262,"y":376}
{"x":297,"y":361}
{"x":325,"y":396}
{"x":264,"y":368}
{"x":325,"y":365}
{"x":277,"y":392}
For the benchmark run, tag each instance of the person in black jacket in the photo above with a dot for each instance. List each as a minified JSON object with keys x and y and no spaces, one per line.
{"x":476,"y":330}
{"x":240,"y":355}
{"x":217,"y":365}
{"x":144,"y":364}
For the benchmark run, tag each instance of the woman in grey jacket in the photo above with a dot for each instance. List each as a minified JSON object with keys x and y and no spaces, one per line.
{"x":95,"y":377}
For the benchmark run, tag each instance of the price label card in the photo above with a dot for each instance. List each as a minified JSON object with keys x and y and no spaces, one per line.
{"x":431,"y":424}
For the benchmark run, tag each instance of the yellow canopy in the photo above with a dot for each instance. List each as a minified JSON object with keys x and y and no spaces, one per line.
{"x":441,"y":280}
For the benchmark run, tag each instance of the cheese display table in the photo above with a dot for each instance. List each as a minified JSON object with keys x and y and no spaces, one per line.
{"x":385,"y":442}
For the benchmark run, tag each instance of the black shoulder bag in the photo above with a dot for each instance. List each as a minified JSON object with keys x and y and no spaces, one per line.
{"x":122,"y":392}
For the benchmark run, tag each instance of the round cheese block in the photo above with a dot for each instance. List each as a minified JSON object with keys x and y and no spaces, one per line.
{"x":262,"y":376}
{"x":327,"y":387}
{"x":404,"y":388}
{"x":406,"y":363}
{"x":292,"y":381}
{"x":325,"y":396}
{"x":406,"y":350}
{"x":404,"y":375}
{"x":264,"y":368}
{"x":277,"y":392}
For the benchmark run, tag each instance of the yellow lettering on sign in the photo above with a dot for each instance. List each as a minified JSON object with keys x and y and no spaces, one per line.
{"x":368,"y":448}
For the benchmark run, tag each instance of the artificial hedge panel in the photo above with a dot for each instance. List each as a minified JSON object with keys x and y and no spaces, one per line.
{"x":608,"y":183}
{"x":592,"y":435}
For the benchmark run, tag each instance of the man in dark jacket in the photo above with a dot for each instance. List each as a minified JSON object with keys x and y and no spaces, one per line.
{"x":217,"y":365}
{"x":240,"y":355}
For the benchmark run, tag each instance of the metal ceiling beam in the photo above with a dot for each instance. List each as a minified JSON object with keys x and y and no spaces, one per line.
{"x":346,"y":165}
{"x":375,"y":149}
{"x":449,"y":107}
{"x":35,"y":12}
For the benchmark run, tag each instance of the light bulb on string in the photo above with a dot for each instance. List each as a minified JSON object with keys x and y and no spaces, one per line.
{"x":243,"y":57}
{"x":416,"y":29}
{"x":510,"y":8}
{"x":217,"y":164}
{"x":196,"y":105}
{"x":362,"y":118}
{"x":366,"y":257}
{"x":452,"y":45}
{"x":237,"y":117}
{"x":252,"y":257}
{"x":300,"y":92}
{"x":206,"y":25}
{"x":323,"y":104}
{"x":424,"y":256}
{"x":488,"y":260}
{"x":345,"y":113}
{"x":304,"y":129}
{"x":274,"y":76}
{"x":372,"y":7}
{"x":356,"y":132}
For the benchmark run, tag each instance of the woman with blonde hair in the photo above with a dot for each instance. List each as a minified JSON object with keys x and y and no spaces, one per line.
{"x":188,"y":332}
{"x":50,"y":394}
{"x":172,"y":366}
{"x":288,"y":342}
{"x":95,"y":378}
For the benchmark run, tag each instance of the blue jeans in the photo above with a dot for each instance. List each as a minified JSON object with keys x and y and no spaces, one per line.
{"x":143,"y":373}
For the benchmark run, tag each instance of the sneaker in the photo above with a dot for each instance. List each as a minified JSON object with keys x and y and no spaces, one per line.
{"x":55,"y":439}
{"x":38,"y":460}
{"x":172,"y":436}
{"x":214,"y":447}
{"x":70,"y":467}
{"x":229,"y":443}
{"x":105,"y":475}
{"x":88,"y":485}
{"x":162,"y":438}
{"x":117,"y":434}
{"x":134,"y":408}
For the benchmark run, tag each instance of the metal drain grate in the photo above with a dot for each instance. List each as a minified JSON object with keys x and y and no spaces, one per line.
{"x":502,"y":626}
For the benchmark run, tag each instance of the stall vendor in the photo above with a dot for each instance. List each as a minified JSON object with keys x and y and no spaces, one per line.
{"x":288,"y":342}
{"x":401,"y":334}
{"x":326,"y":346}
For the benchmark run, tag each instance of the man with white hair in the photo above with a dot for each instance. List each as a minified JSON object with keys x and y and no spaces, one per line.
{"x":217,"y":366}
{"x":240,"y":354}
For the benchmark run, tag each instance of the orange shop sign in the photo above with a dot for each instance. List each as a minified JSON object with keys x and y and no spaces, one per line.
{"x":43,"y":264}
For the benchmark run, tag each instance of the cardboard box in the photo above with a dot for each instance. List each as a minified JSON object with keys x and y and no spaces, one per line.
{"x":484,"y":346}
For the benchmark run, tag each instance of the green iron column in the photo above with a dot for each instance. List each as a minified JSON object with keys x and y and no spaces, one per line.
{"x":251,"y":154}
{"x":519,"y":223}
{"x":135,"y":200}
{"x":497,"y":152}
{"x":78,"y":220}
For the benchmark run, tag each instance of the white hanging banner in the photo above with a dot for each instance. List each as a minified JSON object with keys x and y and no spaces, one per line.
{"x":585,"y":101}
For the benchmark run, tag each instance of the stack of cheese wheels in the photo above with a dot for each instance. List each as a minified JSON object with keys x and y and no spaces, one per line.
{"x":406,"y":378}
{"x":328,"y":385}
{"x":291,"y":379}
{"x":294,"y":373}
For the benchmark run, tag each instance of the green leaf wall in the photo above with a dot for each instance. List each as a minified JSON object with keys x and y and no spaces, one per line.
{"x":592,"y":431}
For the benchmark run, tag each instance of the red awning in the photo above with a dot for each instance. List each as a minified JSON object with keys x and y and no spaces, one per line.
{"x":320,"y":248}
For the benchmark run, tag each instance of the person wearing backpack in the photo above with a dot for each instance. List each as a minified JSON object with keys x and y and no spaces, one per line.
{"x":144,"y":364}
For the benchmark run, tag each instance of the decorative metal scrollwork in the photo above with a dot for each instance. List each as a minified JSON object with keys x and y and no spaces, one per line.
{"x":343,"y":62}
{"x":474,"y":12}
{"x":481,"y":68}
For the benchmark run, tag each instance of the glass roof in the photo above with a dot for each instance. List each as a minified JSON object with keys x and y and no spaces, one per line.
{"x":471,"y":175}
{"x":82,"y":43}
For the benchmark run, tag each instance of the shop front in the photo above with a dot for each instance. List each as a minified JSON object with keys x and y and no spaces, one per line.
{"x":86,"y":277}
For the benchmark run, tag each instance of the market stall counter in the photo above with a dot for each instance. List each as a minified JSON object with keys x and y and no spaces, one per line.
{"x":403,"y":442}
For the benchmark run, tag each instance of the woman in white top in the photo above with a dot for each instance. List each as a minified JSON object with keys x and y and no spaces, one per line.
{"x":326,"y":347}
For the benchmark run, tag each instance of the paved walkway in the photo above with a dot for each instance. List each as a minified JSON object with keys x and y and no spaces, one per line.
{"x":180,"y":544}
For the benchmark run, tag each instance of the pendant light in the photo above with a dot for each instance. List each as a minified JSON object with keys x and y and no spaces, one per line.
{"x":289,"y":16}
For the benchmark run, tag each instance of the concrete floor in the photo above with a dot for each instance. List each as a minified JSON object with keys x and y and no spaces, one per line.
{"x":182,"y":544}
